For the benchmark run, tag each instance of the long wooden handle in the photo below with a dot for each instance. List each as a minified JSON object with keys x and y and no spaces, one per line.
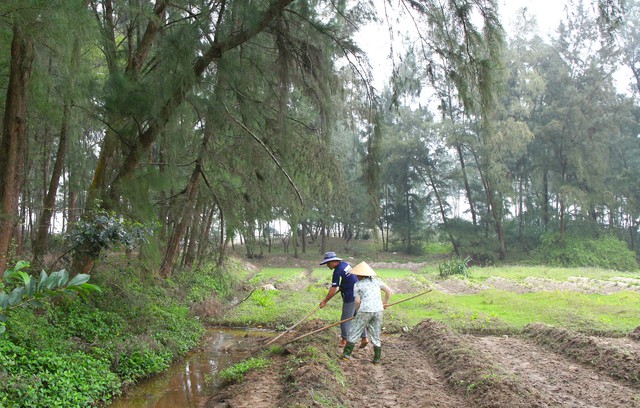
{"x":319,"y":330}
{"x":409,"y":298}
{"x":291,"y":328}
{"x":346,"y":320}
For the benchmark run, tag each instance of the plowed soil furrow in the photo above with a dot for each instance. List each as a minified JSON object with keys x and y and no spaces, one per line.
{"x":617,"y":358}
{"x":566,"y":382}
{"x":406,"y":378}
{"x":474,"y":373}
{"x":259,"y":389}
{"x":623,"y":343}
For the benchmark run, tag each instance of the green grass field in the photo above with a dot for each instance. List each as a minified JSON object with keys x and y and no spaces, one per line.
{"x":488,"y":311}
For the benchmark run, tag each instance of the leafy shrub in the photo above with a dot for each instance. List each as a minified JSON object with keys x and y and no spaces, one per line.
{"x":454,"y":266}
{"x":88,"y":323}
{"x":606,"y":252}
{"x":41,"y":378}
{"x":92,"y":235}
{"x":264,"y":298}
{"x":26,"y":290}
{"x":236,"y":372}
{"x":396,"y":244}
{"x":156,"y":311}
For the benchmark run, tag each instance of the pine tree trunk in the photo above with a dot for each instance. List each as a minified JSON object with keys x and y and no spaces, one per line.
{"x":44,"y":221}
{"x":497,"y":219}
{"x":408,"y":219}
{"x":545,"y":197}
{"x":467,"y":188}
{"x":21,"y":232}
{"x":14,"y":135}
{"x":443,"y":213}
{"x":196,"y":226}
{"x":173,"y":246}
{"x":323,"y":239}
{"x":303,"y":237}
{"x":71,"y":215}
{"x":189,"y":206}
{"x":294,"y":236}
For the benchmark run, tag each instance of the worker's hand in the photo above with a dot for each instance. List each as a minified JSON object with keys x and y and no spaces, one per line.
{"x":323,"y":304}
{"x":384,"y":305}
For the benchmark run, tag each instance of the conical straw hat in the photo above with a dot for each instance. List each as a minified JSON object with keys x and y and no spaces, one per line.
{"x":362,"y":269}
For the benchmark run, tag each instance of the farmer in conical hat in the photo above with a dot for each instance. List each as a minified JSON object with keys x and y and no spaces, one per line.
{"x":344,"y":280}
{"x":369,"y":305}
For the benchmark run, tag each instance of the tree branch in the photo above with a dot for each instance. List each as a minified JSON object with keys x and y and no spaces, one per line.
{"x":268,"y":150}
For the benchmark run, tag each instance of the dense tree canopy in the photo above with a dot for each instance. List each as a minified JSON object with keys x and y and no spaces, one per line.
{"x":193,"y":123}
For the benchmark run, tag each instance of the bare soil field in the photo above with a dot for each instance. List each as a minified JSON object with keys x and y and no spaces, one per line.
{"x":431,"y":365}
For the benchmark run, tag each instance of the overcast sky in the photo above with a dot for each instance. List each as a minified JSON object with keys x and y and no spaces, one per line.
{"x":547,"y":12}
{"x":374,"y":39}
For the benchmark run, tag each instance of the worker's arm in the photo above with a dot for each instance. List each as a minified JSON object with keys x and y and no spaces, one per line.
{"x":387,"y":295}
{"x":357,"y":303}
{"x":332,"y":292}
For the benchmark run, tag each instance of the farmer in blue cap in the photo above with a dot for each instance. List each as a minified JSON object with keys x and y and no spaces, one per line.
{"x":343,"y":280}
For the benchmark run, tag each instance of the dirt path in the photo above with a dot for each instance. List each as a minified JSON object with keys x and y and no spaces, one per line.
{"x":406,"y":378}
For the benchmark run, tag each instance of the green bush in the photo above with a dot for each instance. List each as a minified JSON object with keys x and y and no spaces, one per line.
{"x":454,"y":266}
{"x":573,"y":251}
{"x":264,"y":298}
{"x":523,"y":235}
{"x":174,"y":328}
{"x":42,"y":378}
{"x":102,"y":230}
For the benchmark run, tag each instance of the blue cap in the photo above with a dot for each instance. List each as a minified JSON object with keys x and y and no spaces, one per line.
{"x":330,"y":256}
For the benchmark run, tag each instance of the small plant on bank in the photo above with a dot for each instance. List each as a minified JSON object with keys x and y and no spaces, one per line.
{"x":26,"y":290}
{"x":454,"y":266}
{"x":236,"y":372}
{"x":264,"y":298}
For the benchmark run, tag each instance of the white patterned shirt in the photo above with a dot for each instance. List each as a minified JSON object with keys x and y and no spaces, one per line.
{"x":368,"y":289}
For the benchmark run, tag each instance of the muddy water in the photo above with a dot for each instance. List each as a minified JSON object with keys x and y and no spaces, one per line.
{"x":188,"y":383}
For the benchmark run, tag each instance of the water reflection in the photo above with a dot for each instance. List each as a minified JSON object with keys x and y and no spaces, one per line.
{"x":190,"y":382}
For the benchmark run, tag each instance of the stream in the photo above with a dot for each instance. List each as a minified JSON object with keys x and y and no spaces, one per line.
{"x":190,"y":381}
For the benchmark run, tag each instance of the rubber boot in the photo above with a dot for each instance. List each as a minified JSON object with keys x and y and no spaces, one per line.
{"x":377,"y":354}
{"x":348,"y":349}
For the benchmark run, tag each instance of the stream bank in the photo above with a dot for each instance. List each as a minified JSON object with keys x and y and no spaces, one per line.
{"x":192,"y":380}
